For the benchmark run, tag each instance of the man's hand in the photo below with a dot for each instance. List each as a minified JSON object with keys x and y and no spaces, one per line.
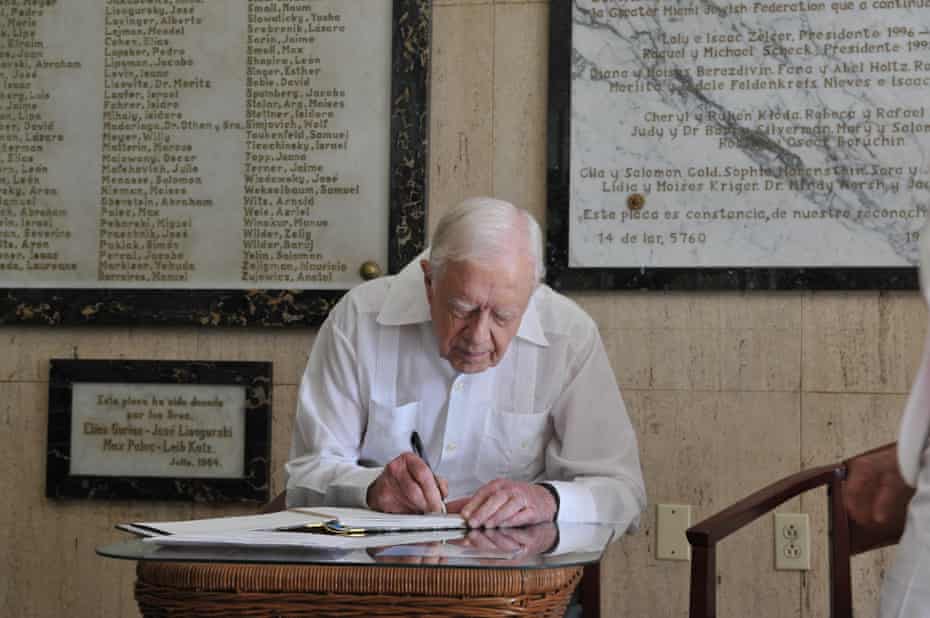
{"x":504,"y":503}
{"x":407,"y":485}
{"x":876,"y":495}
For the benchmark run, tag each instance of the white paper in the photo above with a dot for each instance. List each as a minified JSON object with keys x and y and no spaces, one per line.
{"x":263,"y":538}
{"x":222,"y":525}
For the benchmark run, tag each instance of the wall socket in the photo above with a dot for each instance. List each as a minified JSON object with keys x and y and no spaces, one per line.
{"x":671,"y":522}
{"x":792,"y":542}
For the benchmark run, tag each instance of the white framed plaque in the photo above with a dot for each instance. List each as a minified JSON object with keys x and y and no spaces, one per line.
{"x":208,"y":161}
{"x":165,"y":430}
{"x":747,"y":144}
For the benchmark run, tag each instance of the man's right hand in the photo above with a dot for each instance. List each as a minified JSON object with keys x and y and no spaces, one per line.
{"x":407,"y":485}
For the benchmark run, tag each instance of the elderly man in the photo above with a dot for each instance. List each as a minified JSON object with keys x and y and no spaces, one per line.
{"x":506,"y":382}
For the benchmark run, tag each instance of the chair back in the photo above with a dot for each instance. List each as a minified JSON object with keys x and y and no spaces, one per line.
{"x":846,"y":537}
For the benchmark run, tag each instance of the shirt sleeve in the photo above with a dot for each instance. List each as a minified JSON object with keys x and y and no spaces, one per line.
{"x":593,"y":458}
{"x":915,"y":423}
{"x":324,"y":458}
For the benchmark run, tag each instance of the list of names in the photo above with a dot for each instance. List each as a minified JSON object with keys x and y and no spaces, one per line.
{"x":193,"y":143}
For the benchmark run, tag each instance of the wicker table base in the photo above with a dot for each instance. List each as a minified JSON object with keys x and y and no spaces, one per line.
{"x":193,"y":589}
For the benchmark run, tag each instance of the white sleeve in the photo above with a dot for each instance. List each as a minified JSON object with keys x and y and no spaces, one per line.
{"x":328,"y":429}
{"x":593,"y":460}
{"x":915,"y":422}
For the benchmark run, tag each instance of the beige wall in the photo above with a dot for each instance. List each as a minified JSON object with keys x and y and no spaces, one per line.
{"x":727,"y":390}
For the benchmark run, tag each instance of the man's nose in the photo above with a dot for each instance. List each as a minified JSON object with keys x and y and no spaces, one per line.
{"x":479,"y":330}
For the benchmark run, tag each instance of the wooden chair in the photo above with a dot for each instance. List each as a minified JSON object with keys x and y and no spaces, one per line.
{"x":847,"y":538}
{"x":589,"y":587}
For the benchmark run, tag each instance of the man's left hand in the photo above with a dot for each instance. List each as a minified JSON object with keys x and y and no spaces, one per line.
{"x":503,"y":503}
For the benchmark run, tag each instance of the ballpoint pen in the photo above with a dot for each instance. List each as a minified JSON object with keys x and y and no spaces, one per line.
{"x":417,"y":445}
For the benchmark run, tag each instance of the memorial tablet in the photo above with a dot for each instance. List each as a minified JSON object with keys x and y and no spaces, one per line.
{"x":159,"y":429}
{"x":249,"y":160}
{"x":739,"y":144}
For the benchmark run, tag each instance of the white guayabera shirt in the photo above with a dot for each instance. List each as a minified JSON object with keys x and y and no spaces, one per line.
{"x":549,"y":411}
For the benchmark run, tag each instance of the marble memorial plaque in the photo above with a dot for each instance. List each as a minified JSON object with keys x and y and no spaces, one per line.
{"x":194,"y":145}
{"x":181,"y":430}
{"x":159,"y":429}
{"x":792,"y":137}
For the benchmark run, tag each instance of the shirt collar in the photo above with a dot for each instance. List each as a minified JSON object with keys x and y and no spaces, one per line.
{"x":530,"y":327}
{"x":406,"y":304}
{"x":406,"y":297}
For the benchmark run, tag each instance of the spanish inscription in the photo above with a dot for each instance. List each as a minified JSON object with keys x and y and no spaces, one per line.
{"x":761,"y":133}
{"x":193,"y":143}
{"x":185,"y":431}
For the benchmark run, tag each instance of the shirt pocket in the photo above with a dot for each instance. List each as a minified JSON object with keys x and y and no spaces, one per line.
{"x":512,"y":447}
{"x":388,"y":431}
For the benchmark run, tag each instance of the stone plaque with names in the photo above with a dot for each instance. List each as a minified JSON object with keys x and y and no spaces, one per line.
{"x":248,"y":159}
{"x":159,"y":429}
{"x":777,"y":144}
{"x":149,"y":429}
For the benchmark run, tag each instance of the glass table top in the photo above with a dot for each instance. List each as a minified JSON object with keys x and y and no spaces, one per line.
{"x":541,"y":546}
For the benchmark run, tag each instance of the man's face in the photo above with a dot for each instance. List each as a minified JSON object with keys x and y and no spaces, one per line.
{"x":477,"y":309}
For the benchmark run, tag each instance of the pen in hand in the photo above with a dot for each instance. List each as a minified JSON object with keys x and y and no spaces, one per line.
{"x":417,"y":445}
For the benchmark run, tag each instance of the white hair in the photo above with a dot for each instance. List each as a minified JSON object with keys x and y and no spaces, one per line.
{"x":482,"y":228}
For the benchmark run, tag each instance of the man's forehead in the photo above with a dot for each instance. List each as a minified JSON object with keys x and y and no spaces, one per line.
{"x":498,"y":278}
{"x":509,"y":269}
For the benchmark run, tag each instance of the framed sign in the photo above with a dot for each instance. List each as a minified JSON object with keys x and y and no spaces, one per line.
{"x":742,"y":145}
{"x":161,"y":430}
{"x":234,"y":162}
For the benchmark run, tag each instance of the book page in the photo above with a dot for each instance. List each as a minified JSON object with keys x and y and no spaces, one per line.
{"x":268,"y":521}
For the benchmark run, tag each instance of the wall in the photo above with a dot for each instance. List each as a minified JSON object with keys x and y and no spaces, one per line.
{"x":727,"y":390}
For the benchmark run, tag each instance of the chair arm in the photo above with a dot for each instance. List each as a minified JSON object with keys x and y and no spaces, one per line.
{"x":719,"y":526}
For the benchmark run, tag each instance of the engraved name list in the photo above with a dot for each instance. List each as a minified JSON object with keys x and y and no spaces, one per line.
{"x":193,"y":143}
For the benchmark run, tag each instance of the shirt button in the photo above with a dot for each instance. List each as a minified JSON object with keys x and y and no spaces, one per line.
{"x":458,"y":387}
{"x":450,"y":447}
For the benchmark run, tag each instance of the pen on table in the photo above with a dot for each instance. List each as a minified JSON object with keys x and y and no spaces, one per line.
{"x":417,"y":445}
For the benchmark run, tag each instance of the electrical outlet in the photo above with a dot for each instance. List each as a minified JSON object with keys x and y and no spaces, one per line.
{"x":792,"y":542}
{"x":671,"y":522}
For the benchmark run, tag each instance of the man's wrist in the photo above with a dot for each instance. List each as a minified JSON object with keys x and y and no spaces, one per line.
{"x":555,"y":498}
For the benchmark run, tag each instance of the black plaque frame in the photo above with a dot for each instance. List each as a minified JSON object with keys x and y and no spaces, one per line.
{"x":244,"y":307}
{"x":256,"y":377}
{"x":561,"y":276}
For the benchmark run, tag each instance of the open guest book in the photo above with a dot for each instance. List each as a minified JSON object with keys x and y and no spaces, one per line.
{"x":347,"y":520}
{"x":323,"y":527}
